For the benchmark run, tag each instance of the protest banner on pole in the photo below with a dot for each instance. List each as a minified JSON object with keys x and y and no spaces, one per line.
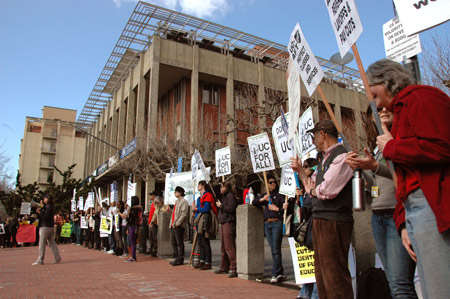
{"x":83,"y":222}
{"x":199,"y":161}
{"x":131,"y":191}
{"x":106,"y":225}
{"x":112,"y":193}
{"x":283,"y":148}
{"x":223,"y":162}
{"x":396,"y":44}
{"x":307,"y":147}
{"x":73,"y":205}
{"x":420,"y":15}
{"x":294,"y":97}
{"x":182,"y":179}
{"x":80,"y":203}
{"x":261,"y":152}
{"x":66,"y":230}
{"x":287,"y":181}
{"x":25,"y":208}
{"x":2,"y":229}
{"x":304,"y":59}
{"x":90,"y":200}
{"x":346,"y":23}
{"x":303,"y":262}
{"x":194,"y":167}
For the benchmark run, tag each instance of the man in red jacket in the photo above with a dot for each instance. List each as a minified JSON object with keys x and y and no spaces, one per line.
{"x":419,"y":146}
{"x":152,"y":232}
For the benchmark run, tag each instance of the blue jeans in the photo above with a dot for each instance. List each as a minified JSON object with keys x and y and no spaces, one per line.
{"x":112,"y":240}
{"x":431,"y":247}
{"x":77,"y":231}
{"x":309,"y":290}
{"x":397,"y":263}
{"x":274,"y":235}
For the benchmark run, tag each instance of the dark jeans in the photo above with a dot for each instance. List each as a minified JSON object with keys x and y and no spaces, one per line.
{"x":97,"y":236}
{"x":153,"y":237}
{"x":90,"y":235}
{"x":126,"y":243}
{"x":274,"y":235}
{"x":58,"y":234}
{"x":111,"y":240}
{"x":14,"y":241}
{"x":228,"y":246}
{"x":132,"y":236}
{"x":178,"y":243}
{"x":205,"y":249}
{"x":331,"y":241}
{"x":77,"y":231}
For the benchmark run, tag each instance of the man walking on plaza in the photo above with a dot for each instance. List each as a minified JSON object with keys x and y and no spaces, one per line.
{"x":331,"y":189}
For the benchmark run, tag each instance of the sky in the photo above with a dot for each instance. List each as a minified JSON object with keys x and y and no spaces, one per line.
{"x":52,"y":51}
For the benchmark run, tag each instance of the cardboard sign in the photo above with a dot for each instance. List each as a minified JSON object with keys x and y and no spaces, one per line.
{"x":198,"y":159}
{"x":106,"y":225}
{"x":90,"y":200}
{"x":420,"y":15}
{"x":25,"y":208}
{"x":66,"y":230}
{"x":223,"y":161}
{"x":80,"y":203}
{"x":303,"y":261}
{"x":287,"y":182}
{"x":396,"y":44}
{"x":261,"y":152}
{"x":2,"y":229}
{"x":182,"y":179}
{"x":83,"y":222}
{"x":283,"y":148}
{"x":306,"y":142}
{"x":73,"y":205}
{"x":294,"y":97}
{"x":131,"y":191}
{"x":346,"y":23}
{"x":116,"y":222}
{"x":304,"y":59}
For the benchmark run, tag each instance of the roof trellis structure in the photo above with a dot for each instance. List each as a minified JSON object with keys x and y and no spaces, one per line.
{"x":148,"y":20}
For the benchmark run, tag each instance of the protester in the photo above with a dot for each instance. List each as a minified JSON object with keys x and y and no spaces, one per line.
{"x":97,"y":220}
{"x":153,"y":226}
{"x":178,"y":225}
{"x":227,"y":219}
{"x":59,"y":221}
{"x":91,"y":229}
{"x":117,"y":231}
{"x":398,"y":265}
{"x":13,"y":228}
{"x":275,"y":205}
{"x":134,"y":215}
{"x":123,"y":213}
{"x":2,"y":234}
{"x":111,"y":238}
{"x":331,"y":189}
{"x":76,"y":227}
{"x":205,"y":203}
{"x":7,"y":240}
{"x":418,"y":144}
{"x":151,"y":236}
{"x":47,"y":231}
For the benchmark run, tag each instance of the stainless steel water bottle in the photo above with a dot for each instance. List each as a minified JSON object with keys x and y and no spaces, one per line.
{"x":358,"y":191}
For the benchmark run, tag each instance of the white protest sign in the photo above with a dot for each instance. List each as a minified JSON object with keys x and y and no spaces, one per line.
{"x":283,"y":147}
{"x":116,"y":222}
{"x":420,"y":15}
{"x":345,"y":22}
{"x":25,"y":208}
{"x":2,"y":229}
{"x":306,"y":141}
{"x":131,"y":191}
{"x":73,"y":206}
{"x":112,"y":193}
{"x":184,"y":180}
{"x":194,"y":167}
{"x":199,"y":160}
{"x":83,"y":222}
{"x":396,"y":44}
{"x":105,"y":225}
{"x":304,"y":59}
{"x":287,"y":182}
{"x":80,"y":203}
{"x":294,"y":97}
{"x":261,"y":152}
{"x":90,"y":200}
{"x":223,"y":161}
{"x":303,"y":262}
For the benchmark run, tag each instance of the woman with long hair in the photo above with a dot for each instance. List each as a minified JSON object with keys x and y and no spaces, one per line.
{"x":134,"y":219}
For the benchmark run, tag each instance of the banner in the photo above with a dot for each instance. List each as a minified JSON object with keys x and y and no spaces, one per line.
{"x":90,"y":200}
{"x":294,"y":96}
{"x":420,"y":15}
{"x":261,"y":152}
{"x":106,"y":225}
{"x":26,"y":233}
{"x":194,"y":168}
{"x":130,"y":192}
{"x":396,"y":44}
{"x":346,"y":23}
{"x":83,"y":222}
{"x":2,"y":229}
{"x":25,"y":208}
{"x":306,"y":142}
{"x":66,"y":230}
{"x":182,"y":179}
{"x":223,"y":161}
{"x":283,"y":148}
{"x":80,"y":203}
{"x":198,"y":159}
{"x":304,"y":59}
{"x":303,"y":261}
{"x":287,"y":182}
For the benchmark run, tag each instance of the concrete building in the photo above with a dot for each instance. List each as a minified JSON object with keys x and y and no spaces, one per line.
{"x":174,"y":79}
{"x":51,"y":141}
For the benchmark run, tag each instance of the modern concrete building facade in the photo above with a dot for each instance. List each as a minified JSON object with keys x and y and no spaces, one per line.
{"x":51,"y":141}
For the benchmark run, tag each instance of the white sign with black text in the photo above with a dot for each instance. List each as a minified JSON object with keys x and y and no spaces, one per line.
{"x":396,"y":44}
{"x":261,"y":152}
{"x":199,"y":160}
{"x":25,"y":208}
{"x":306,"y":141}
{"x":283,"y":148}
{"x":223,"y":161}
{"x":294,"y":96}
{"x":287,"y":183}
{"x":80,"y":203}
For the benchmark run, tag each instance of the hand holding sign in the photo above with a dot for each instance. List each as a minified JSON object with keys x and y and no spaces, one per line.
{"x":385,"y":138}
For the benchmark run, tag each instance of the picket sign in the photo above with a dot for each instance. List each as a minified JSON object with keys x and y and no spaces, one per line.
{"x":223,"y":162}
{"x":83,"y":222}
{"x":294,"y":97}
{"x":131,"y":191}
{"x":90,"y":200}
{"x":199,"y":161}
{"x":116,"y":222}
{"x":25,"y":208}
{"x":73,"y":205}
{"x":306,"y":142}
{"x":2,"y":229}
{"x":80,"y":203}
{"x":283,"y":147}
{"x":106,"y":225}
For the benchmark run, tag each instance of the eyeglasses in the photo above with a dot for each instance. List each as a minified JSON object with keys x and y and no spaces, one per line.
{"x":272,"y":182}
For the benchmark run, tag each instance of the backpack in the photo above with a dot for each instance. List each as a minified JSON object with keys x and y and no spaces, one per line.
{"x":372,"y":284}
{"x":139,"y":218}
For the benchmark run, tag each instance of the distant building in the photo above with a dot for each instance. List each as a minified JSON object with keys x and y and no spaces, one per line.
{"x":51,"y":141}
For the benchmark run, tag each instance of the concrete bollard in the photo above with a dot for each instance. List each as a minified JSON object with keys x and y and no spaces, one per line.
{"x":250,"y":242}
{"x":164,"y":245}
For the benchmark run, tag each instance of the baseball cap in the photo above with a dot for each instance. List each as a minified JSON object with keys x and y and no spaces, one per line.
{"x":325,"y":125}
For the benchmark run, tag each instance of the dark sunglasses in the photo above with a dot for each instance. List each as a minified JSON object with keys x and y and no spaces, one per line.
{"x":272,"y":182}
{"x":379,"y":109}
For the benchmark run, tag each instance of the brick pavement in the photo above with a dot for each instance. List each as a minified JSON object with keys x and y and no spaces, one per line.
{"x":92,"y":274}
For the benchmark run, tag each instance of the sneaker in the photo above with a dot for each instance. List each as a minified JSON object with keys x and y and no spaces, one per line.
{"x":273,"y":279}
{"x":232,"y":275}
{"x":220,"y":271}
{"x":206,"y":267}
{"x":130,"y":260}
{"x":199,"y":265}
{"x":57,"y":261}
{"x":124,"y":255}
{"x":110,"y":251}
{"x":37,"y":263}
{"x":78,"y":244}
{"x":281,"y":278}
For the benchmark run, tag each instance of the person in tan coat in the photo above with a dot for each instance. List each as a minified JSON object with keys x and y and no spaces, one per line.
{"x":178,"y":225}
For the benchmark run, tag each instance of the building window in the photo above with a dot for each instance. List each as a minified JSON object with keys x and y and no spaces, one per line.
{"x":54,"y":133}
{"x":210,"y":94}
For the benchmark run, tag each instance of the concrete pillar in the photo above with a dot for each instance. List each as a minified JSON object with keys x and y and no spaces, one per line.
{"x":194,"y":98}
{"x":131,"y":117}
{"x":140,"y":102}
{"x":154,"y":83}
{"x":164,"y":245}
{"x":122,"y":120}
{"x":230,"y":109}
{"x":261,"y":93}
{"x":250,"y":242}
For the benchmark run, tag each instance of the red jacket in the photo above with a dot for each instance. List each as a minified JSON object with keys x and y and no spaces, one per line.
{"x":151,"y":212}
{"x":421,"y":131}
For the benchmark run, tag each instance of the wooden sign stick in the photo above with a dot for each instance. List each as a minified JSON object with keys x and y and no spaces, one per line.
{"x":284,"y":216}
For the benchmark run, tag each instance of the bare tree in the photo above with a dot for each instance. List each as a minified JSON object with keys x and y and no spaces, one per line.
{"x":5,"y":174}
{"x":436,"y":63}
